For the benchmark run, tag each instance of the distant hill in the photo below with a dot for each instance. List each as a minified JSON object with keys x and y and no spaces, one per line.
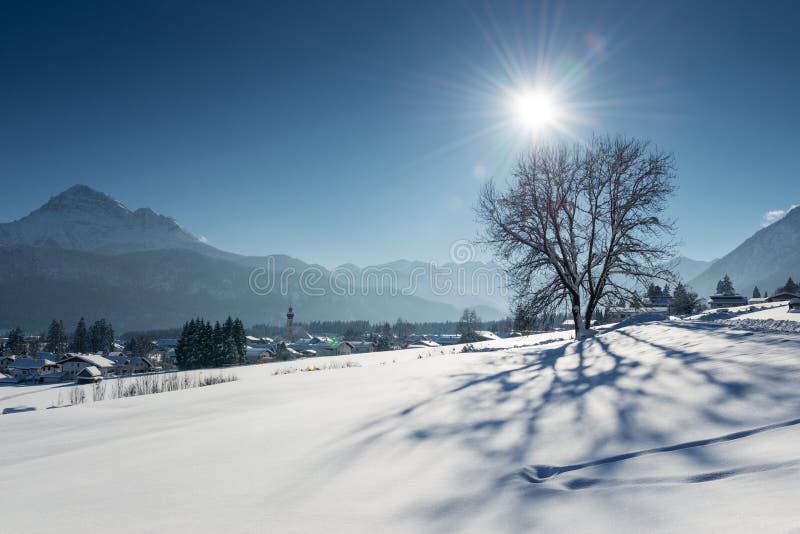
{"x":766,"y":259}
{"x":84,"y":253}
{"x":687,"y":268}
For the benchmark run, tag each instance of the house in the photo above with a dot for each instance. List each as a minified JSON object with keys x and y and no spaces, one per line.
{"x":423,"y":343}
{"x":167,"y":343}
{"x":5,"y":361}
{"x":725,"y":300}
{"x":445,"y":339}
{"x":479,"y":335}
{"x":660,"y":301}
{"x":794,"y":304}
{"x":74,"y":364}
{"x":324,"y":346}
{"x":128,"y":365}
{"x":257,"y":354}
{"x":757,"y":301}
{"x":783,"y":296}
{"x":615,"y":314}
{"x":361,"y":347}
{"x":89,"y":375}
{"x":259,"y":342}
{"x":35,"y":369}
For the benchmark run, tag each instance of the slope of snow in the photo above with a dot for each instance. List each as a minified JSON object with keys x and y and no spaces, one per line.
{"x":658,"y":427}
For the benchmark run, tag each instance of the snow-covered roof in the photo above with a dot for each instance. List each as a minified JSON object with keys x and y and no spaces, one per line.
{"x":421,"y":343}
{"x":90,"y":371}
{"x":486,"y":334}
{"x":31,"y":363}
{"x":91,"y":359}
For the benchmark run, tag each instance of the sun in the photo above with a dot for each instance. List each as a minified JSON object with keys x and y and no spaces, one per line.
{"x":535,"y":110}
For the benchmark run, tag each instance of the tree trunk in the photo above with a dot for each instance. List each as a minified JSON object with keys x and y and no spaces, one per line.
{"x":576,"y":317}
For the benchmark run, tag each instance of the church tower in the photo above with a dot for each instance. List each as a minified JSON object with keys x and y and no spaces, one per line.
{"x":290,"y":324}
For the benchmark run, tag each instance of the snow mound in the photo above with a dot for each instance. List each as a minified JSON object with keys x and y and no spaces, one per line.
{"x":764,"y":325}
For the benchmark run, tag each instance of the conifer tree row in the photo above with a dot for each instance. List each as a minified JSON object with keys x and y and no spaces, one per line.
{"x":203,"y":345}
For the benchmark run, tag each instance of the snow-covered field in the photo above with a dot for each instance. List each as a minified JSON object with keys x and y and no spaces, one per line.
{"x":669,"y":426}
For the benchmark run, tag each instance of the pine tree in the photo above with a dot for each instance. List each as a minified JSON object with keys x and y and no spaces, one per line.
{"x":790,"y":286}
{"x":684,"y":301}
{"x":16,"y":343}
{"x":654,"y":291}
{"x":725,"y":286}
{"x":182,"y":348}
{"x":56,"y":338}
{"x":240,"y":339}
{"x":756,"y":293}
{"x":219,"y":345}
{"x":667,"y":291}
{"x":101,"y":337}
{"x":80,"y":339}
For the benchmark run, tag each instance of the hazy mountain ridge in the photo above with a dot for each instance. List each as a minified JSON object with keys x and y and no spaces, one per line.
{"x":85,"y":253}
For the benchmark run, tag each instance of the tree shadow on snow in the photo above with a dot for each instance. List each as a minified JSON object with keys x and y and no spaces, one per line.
{"x":596,"y":391}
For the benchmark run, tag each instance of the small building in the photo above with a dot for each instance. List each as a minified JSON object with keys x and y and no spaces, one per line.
{"x":482,"y":335}
{"x":74,"y":364}
{"x":445,"y":339}
{"x":258,"y":354}
{"x":361,"y":347}
{"x":167,"y":343}
{"x":323,"y":346}
{"x":660,"y":301}
{"x":5,"y":361}
{"x":757,"y":300}
{"x":794,"y":304}
{"x":35,"y":369}
{"x":89,"y":375}
{"x":128,"y":365}
{"x":615,"y":314}
{"x":725,"y":300}
{"x":259,"y":342}
{"x":783,"y":296}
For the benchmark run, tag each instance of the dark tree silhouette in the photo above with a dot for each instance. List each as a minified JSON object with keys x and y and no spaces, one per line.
{"x":582,"y":224}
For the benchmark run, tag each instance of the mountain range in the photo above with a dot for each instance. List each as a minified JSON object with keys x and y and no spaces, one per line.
{"x":83,"y":253}
{"x":766,"y":259}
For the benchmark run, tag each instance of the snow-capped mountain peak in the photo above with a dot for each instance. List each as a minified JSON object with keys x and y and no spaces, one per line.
{"x":82,"y":218}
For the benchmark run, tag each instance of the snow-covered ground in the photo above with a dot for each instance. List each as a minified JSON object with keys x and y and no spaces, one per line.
{"x":670,"y":426}
{"x":770,"y":317}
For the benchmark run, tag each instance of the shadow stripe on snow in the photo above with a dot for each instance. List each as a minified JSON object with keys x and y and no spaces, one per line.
{"x":537,"y":474}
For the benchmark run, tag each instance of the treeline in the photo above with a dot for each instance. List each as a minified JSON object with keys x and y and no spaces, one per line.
{"x":99,"y":337}
{"x":158,"y":333}
{"x":365,"y":330}
{"x":203,"y":345}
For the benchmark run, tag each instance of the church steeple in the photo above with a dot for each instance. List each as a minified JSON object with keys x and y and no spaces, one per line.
{"x":290,"y":324}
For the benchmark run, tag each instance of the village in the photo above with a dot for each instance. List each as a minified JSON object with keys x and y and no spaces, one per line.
{"x":39,"y":366}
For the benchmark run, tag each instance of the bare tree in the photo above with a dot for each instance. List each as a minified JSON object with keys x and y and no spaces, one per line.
{"x":581,"y":224}
{"x":469,"y":322}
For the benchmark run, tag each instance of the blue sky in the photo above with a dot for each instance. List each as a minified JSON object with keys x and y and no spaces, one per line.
{"x":361,"y":132}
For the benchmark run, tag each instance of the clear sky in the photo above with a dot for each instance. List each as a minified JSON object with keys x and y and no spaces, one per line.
{"x":361,"y":132}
